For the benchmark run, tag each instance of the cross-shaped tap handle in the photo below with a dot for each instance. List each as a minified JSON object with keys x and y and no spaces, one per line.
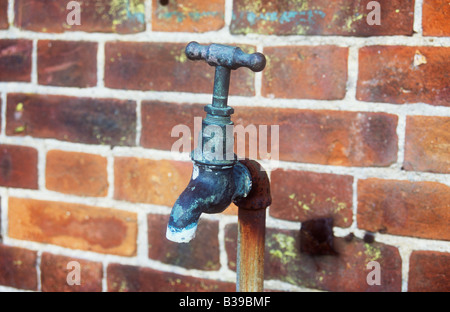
{"x":226,"y":56}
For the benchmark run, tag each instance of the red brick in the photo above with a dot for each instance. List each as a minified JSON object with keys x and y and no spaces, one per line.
{"x":202,"y":253}
{"x":400,"y":74}
{"x":15,"y":60}
{"x":321,"y":17}
{"x":4,"y":24}
{"x":76,"y":173}
{"x":55,"y":270}
{"x":18,"y":166}
{"x":79,"y":120}
{"x":159,"y":118}
{"x":346,"y":271}
{"x":301,"y":195}
{"x":435,"y":14}
{"x":18,"y":267}
{"x":322,"y":136}
{"x":192,"y":16}
{"x":158,"y":182}
{"x":328,"y":137}
{"x":427,"y":144}
{"x":67,"y":63}
{"x":428,"y":271}
{"x":155,"y":66}
{"x":419,"y":209}
{"x":122,"y":17}
{"x":74,"y":226}
{"x":127,"y":278}
{"x":305,"y":72}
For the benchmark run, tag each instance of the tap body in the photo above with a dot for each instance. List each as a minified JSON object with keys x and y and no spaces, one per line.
{"x":210,"y":190}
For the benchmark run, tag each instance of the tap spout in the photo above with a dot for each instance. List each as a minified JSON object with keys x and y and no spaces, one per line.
{"x":210,"y":190}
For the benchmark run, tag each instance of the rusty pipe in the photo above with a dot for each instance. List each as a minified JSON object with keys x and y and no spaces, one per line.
{"x":251,"y":230}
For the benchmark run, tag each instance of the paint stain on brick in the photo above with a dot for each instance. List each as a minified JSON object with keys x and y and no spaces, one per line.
{"x":320,"y":17}
{"x":188,"y":16}
{"x":110,"y":16}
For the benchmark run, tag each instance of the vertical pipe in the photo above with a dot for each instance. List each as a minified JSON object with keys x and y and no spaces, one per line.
{"x":250,"y":253}
{"x":221,"y":86}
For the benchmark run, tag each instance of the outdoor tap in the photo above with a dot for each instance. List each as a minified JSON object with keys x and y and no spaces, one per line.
{"x":218,"y":178}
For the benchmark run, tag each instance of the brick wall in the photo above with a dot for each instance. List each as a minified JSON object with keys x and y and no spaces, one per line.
{"x":86,"y":169}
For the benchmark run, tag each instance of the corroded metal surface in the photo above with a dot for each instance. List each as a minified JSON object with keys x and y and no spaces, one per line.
{"x":250,"y":253}
{"x":217,"y":178}
{"x":251,"y":230}
{"x":227,"y":56}
{"x":259,"y":196}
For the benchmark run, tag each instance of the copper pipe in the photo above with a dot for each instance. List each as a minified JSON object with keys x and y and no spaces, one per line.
{"x":250,"y":253}
{"x":252,"y":230}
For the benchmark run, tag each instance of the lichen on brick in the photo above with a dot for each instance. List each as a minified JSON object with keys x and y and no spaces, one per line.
{"x":372,"y":252}
{"x":282,"y":247}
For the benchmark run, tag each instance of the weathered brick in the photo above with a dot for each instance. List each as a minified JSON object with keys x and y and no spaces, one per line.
{"x":201,"y":253}
{"x":401,"y":74}
{"x":328,"y":137}
{"x":321,"y":17}
{"x":18,"y":166}
{"x":15,"y":60}
{"x":122,"y":17}
{"x":150,"y":181}
{"x":435,"y":14}
{"x":192,"y":16}
{"x":419,"y":209}
{"x":159,"y":118}
{"x":4,"y":24}
{"x":155,"y":66}
{"x":79,"y":120}
{"x":321,"y":136}
{"x":428,"y":271}
{"x":301,"y":195}
{"x":346,"y":271}
{"x":74,"y":226}
{"x":427,"y":144}
{"x":306,"y":72}
{"x":18,"y":267}
{"x":67,"y":63}
{"x":127,"y":278}
{"x":55,"y":270}
{"x":76,"y":173}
